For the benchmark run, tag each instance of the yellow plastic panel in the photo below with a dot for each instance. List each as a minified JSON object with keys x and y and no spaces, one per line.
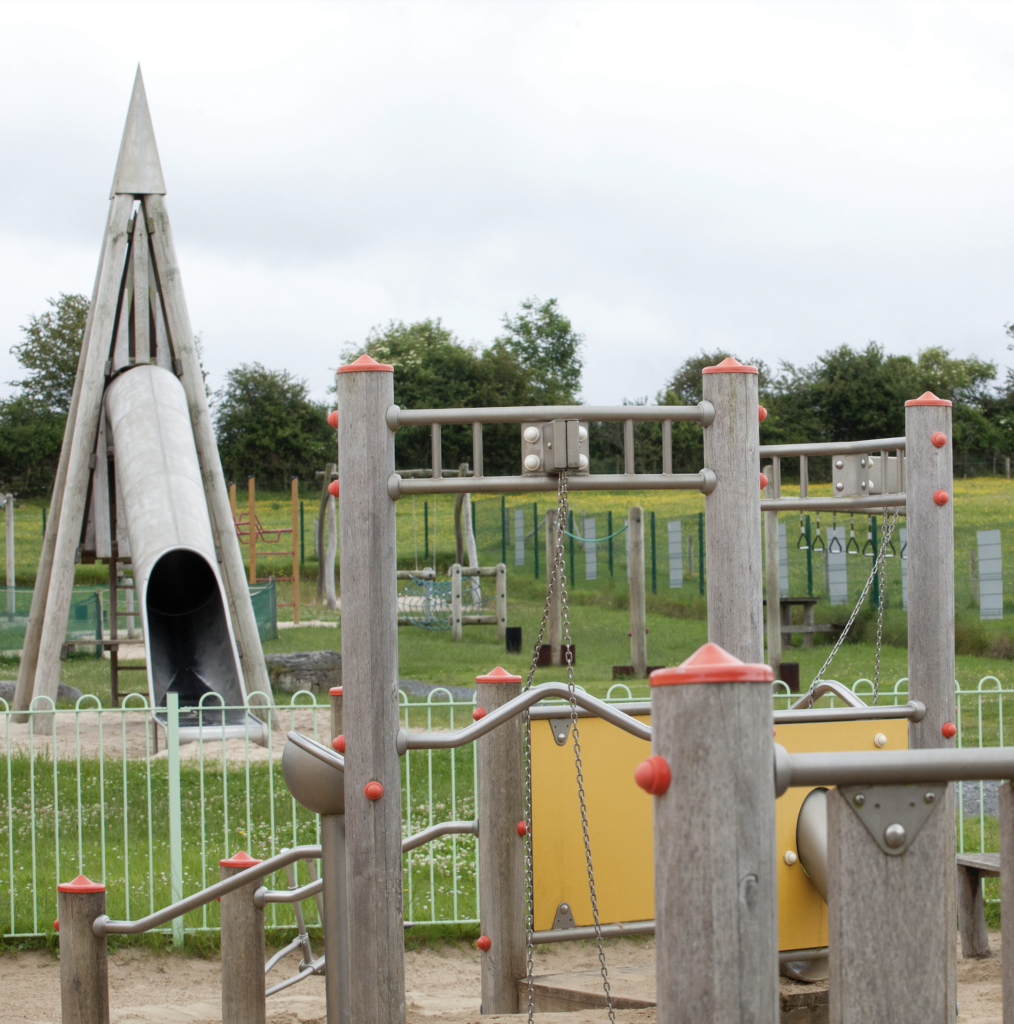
{"x":620,"y":824}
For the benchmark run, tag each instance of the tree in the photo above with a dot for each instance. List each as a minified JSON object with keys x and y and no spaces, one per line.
{"x":267,"y":426}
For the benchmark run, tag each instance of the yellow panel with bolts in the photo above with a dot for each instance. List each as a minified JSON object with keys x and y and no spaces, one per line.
{"x":620,"y":824}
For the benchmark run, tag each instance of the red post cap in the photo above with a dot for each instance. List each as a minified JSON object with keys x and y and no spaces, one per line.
{"x":949,"y":730}
{"x":522,"y":829}
{"x":762,"y":413}
{"x":365,"y":362}
{"x":338,"y":743}
{"x":653,"y":775}
{"x":332,"y":488}
{"x":730,"y":365}
{"x":712,"y":664}
{"x":373,"y":790}
{"x":335,"y":691}
{"x":941,"y":497}
{"x":764,"y":481}
{"x":927,"y":398}
{"x":240,"y":859}
{"x":81,"y":884}
{"x":939,"y":439}
{"x":483,"y":942}
{"x":478,"y":713}
{"x":332,"y":418}
{"x":498,"y":675}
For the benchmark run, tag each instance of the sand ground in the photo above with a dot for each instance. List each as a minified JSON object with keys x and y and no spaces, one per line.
{"x":442,"y":987}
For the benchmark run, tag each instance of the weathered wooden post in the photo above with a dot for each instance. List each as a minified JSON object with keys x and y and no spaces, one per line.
{"x":501,"y":602}
{"x":455,"y":573}
{"x":772,"y":583}
{"x":295,"y":550}
{"x":243,"y":1000}
{"x":252,"y":539}
{"x":501,"y":812}
{"x":716,"y":900}
{"x":84,"y":976}
{"x":370,"y":675}
{"x":732,"y":510}
{"x":638,"y":615}
{"x":1006,"y":800}
{"x":554,"y":629}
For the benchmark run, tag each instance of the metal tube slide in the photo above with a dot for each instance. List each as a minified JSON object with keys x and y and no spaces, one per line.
{"x":188,"y":637}
{"x":811,"y":839}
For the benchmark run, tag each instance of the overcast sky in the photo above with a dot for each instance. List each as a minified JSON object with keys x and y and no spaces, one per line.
{"x":771,"y":178}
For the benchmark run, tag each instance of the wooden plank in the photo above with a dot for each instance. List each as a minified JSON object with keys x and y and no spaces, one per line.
{"x":971,"y":914}
{"x":1006,"y":812}
{"x":366,"y":524}
{"x":140,"y":317}
{"x":241,"y":613}
{"x":501,"y":602}
{"x":987,"y":864}
{"x":732,"y":516}
{"x":890,"y":921}
{"x":638,"y":612}
{"x":501,"y":781}
{"x":243,"y":1000}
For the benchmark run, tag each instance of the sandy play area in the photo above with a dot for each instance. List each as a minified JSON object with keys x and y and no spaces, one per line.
{"x":442,"y":986}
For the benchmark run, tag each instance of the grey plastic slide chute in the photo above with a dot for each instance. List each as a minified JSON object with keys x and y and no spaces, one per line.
{"x":811,"y":839}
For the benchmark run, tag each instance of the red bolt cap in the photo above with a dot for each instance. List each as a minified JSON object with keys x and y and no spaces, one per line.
{"x":81,"y":884}
{"x":483,"y":942}
{"x":762,"y":413}
{"x":56,"y":925}
{"x":478,"y":713}
{"x":332,"y":419}
{"x":373,"y":790}
{"x":764,"y":481}
{"x":522,"y":829}
{"x":653,"y":775}
{"x":949,"y":729}
{"x":939,"y":439}
{"x":240,"y":859}
{"x":332,"y":488}
{"x":941,"y":497}
{"x":338,"y":743}
{"x":335,"y":691}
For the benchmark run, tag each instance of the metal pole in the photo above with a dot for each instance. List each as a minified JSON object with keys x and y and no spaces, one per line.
{"x":335,"y":923}
{"x":809,"y":561}
{"x":500,"y":807}
{"x":370,"y":671}
{"x":426,"y":531}
{"x":555,"y":630}
{"x":242,"y":937}
{"x":175,"y":813}
{"x":654,"y":568}
{"x":638,"y":619}
{"x":718,"y":906}
{"x":535,"y":517}
{"x":84,"y":973}
{"x":503,"y":528}
{"x":700,"y":552}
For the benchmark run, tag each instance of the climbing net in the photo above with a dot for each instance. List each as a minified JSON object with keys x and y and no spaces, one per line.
{"x":427,"y":603}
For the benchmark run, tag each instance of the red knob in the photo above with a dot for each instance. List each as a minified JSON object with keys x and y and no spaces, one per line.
{"x":373,"y":790}
{"x":56,"y":925}
{"x":522,"y":829}
{"x":764,"y":481}
{"x":653,"y":775}
{"x":762,"y":413}
{"x":949,"y":729}
{"x":478,"y":713}
{"x":339,"y":744}
{"x":483,"y":942}
{"x":941,"y":497}
{"x":332,"y":488}
{"x":939,"y":439}
{"x":332,"y":419}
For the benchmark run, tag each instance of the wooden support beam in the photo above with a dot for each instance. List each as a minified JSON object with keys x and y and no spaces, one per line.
{"x":140,"y":316}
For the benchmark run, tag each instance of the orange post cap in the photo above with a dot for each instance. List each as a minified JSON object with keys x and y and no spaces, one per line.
{"x":712,"y":664}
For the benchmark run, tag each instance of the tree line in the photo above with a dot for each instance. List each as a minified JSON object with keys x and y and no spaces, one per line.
{"x":268,"y":425}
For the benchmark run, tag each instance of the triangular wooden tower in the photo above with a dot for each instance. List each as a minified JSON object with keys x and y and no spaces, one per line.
{"x":138,"y":315}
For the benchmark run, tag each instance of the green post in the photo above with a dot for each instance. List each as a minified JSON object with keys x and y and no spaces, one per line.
{"x":570,"y":530}
{"x":175,"y":822}
{"x":535,"y":519}
{"x":609,"y":534}
{"x":809,"y":560}
{"x":98,"y":624}
{"x":302,"y":549}
{"x":503,"y":528}
{"x":700,"y":552}
{"x":426,"y":531}
{"x":654,"y":573}
{"x":876,"y":575}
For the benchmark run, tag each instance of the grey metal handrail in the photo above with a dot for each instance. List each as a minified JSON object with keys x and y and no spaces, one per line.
{"x":914,"y":711}
{"x":703,"y":413}
{"x":334,"y":759}
{"x":789,"y":451}
{"x":829,"y":686}
{"x":859,"y":502}
{"x":705,"y":481}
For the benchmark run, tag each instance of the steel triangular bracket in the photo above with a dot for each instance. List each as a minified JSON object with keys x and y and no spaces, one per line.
{"x":894,"y":815}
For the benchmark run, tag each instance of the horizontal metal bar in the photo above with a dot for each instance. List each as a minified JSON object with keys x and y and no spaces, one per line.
{"x":789,"y":451}
{"x":446,"y":740}
{"x":823,"y":688}
{"x":317,"y":967}
{"x":104,"y":925}
{"x":889,"y":767}
{"x":914,"y":711}
{"x":264,"y":896}
{"x":331,"y":757}
{"x":703,"y":413}
{"x":444,"y":828}
{"x":870,"y":502}
{"x":609,"y":931}
{"x":788,"y":956}
{"x":704,"y":481}
{"x":555,"y":711}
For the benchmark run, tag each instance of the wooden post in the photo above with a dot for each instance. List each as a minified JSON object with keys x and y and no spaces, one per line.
{"x":555,"y":625}
{"x":9,"y":530}
{"x":243,"y":1000}
{"x":891,"y":948}
{"x":501,"y":806}
{"x":455,"y":572}
{"x":84,"y":975}
{"x":501,"y":602}
{"x":368,"y":554}
{"x":251,"y":504}
{"x":732,"y":510}
{"x":772,"y":583}
{"x":335,"y":922}
{"x":140,"y":317}
{"x":638,"y":615}
{"x":716,"y":900}
{"x":1006,"y":799}
{"x":295,"y":550}
{"x":232,"y":501}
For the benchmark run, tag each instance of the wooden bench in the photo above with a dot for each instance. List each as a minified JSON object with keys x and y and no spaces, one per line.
{"x":972,"y":868}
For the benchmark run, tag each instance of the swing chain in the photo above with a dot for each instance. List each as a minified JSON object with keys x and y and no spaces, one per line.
{"x":882,"y":598}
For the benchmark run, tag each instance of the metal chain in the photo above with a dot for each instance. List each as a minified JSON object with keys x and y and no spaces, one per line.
{"x":880,"y":607}
{"x":877,"y":566}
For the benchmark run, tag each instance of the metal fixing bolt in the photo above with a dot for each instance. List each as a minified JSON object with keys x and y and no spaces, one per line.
{"x":859,"y":799}
{"x":895,"y":835}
